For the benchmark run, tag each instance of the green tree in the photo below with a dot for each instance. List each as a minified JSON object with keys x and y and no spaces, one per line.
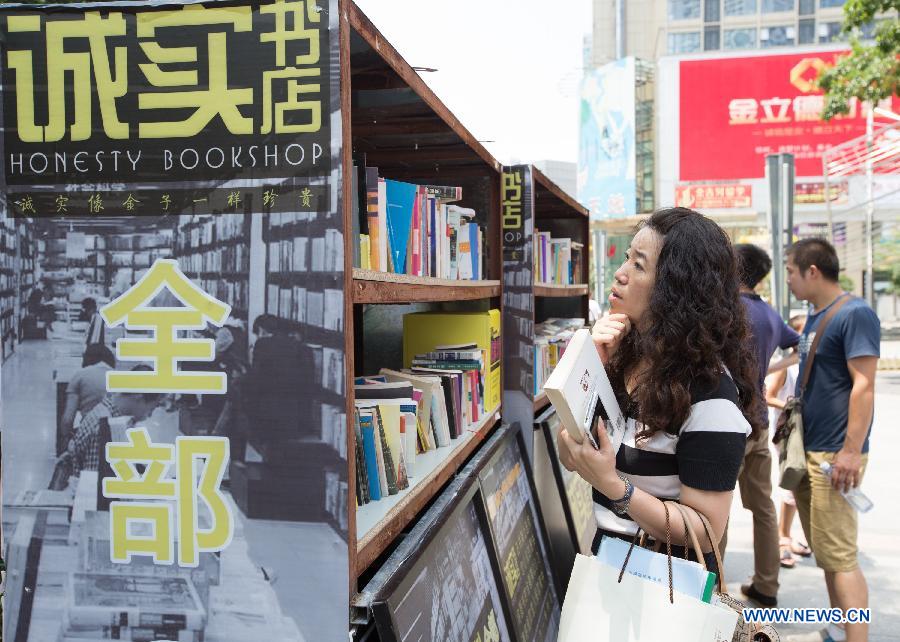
{"x":871,"y":72}
{"x":846,"y":283}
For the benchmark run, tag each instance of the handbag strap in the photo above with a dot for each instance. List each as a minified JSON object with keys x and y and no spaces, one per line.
{"x":715,"y":549}
{"x":690,"y":535}
{"x":668,"y":555}
{"x":807,"y":367}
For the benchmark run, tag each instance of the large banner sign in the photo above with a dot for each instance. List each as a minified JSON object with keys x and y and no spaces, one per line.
{"x":606,"y":153}
{"x":754,"y":106}
{"x":172,"y":322}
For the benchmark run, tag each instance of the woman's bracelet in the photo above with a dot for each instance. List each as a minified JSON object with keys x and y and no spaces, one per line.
{"x":620,"y":506}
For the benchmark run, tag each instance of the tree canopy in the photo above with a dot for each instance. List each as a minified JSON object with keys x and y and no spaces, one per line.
{"x":871,"y":71}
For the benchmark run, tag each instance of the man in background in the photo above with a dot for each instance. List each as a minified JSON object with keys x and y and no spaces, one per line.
{"x":277,"y":403}
{"x":768,"y":332}
{"x":838,"y":408}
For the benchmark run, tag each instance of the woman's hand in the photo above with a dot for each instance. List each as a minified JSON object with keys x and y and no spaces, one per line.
{"x":608,"y":333}
{"x":596,"y":466}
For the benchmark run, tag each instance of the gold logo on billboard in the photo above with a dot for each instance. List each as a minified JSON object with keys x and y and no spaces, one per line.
{"x":804,"y":74}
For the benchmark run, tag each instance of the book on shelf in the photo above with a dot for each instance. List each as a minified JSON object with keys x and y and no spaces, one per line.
{"x":417,"y":230}
{"x":577,"y":385}
{"x":557,"y":261}
{"x":550,"y":340}
{"x":400,"y":415}
{"x":370,"y":455}
{"x":423,"y":332}
{"x":403,"y":224}
{"x":432,"y":411}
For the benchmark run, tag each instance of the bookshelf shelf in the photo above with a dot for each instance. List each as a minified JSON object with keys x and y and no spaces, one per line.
{"x":549,"y":289}
{"x":382,"y":287}
{"x":549,"y":245}
{"x":378,"y":523}
{"x":393,"y":122}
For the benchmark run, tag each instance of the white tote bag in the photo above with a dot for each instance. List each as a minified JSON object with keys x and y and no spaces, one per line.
{"x":599,"y":608}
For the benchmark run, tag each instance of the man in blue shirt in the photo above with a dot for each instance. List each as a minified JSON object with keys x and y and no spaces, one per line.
{"x":838,"y":407}
{"x":768,"y":332}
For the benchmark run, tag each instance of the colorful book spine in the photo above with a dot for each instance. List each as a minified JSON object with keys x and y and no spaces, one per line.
{"x":368,"y":432}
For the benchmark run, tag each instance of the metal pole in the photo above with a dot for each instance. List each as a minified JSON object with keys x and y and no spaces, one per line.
{"x":620,"y":29}
{"x":870,"y":207}
{"x":774,"y":207}
{"x":828,"y":201}
{"x":787,"y":214}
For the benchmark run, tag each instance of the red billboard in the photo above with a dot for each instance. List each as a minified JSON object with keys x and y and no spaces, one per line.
{"x":735,"y":111}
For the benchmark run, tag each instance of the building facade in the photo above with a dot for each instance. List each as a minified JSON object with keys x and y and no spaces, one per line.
{"x":656,"y":28}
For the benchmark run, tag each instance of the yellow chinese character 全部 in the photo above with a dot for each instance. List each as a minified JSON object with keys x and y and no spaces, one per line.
{"x":165,"y":349}
{"x":192,"y":540}
{"x":304,"y":16}
{"x":150,"y":485}
{"x":69,"y":70}
{"x":742,"y":111}
{"x":185,"y":490}
{"x":217,"y":98}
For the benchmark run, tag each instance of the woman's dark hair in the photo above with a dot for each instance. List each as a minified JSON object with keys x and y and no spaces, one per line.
{"x":753,"y":264}
{"x":697,"y":325}
{"x":95,"y":353}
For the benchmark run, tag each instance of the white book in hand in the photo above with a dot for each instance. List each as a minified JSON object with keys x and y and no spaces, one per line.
{"x":575,"y":387}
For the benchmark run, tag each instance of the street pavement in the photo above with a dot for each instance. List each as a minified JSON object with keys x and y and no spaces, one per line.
{"x":879,"y":540}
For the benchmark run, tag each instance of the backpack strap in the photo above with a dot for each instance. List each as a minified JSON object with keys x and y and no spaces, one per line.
{"x":823,"y":324}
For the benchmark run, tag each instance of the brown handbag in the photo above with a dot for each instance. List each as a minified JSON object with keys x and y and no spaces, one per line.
{"x":744,"y":631}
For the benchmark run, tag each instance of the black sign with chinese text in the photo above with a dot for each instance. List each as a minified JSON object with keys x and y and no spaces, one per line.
{"x":517,"y":201}
{"x":157,"y":93}
{"x":518,"y":534}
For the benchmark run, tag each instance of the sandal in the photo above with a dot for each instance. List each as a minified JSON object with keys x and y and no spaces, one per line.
{"x":801,"y":549}
{"x":787,"y":557}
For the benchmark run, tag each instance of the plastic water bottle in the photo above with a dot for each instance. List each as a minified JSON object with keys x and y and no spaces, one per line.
{"x":855,"y":497}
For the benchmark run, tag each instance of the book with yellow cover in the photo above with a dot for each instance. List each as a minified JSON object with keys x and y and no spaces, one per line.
{"x":425,"y":331}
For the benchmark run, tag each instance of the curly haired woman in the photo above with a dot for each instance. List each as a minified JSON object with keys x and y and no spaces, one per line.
{"x":676,"y":349}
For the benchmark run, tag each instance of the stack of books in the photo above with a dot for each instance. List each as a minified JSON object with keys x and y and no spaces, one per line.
{"x":401,"y":414}
{"x":550,"y":341}
{"x":415,"y":229}
{"x":557,"y":261}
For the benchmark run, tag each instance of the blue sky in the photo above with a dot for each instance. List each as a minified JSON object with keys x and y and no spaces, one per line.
{"x":508,"y":69}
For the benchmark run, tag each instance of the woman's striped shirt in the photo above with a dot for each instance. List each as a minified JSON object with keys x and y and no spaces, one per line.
{"x":706,"y":454}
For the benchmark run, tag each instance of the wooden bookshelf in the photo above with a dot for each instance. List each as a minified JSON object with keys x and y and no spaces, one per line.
{"x":381,"y":287}
{"x":378,"y":523}
{"x":400,"y":126}
{"x":534,"y":202}
{"x":551,"y":290}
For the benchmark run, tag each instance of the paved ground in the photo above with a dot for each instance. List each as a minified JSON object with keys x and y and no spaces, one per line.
{"x":804,"y":586}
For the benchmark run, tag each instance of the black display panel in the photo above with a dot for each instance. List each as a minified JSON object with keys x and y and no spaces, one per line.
{"x":518,"y":533}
